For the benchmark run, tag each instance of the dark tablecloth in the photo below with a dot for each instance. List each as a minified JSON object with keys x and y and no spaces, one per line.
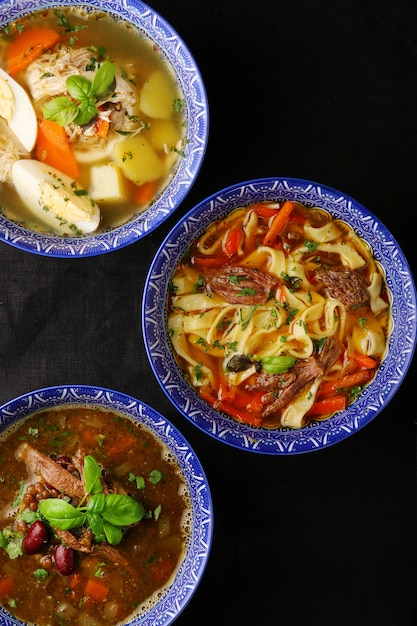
{"x":326,"y":91}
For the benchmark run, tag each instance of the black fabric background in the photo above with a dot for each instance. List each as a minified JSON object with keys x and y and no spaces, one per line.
{"x":323,"y":90}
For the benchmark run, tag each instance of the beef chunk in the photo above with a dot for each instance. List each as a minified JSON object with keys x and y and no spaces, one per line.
{"x":240,"y":285}
{"x":344,"y":284}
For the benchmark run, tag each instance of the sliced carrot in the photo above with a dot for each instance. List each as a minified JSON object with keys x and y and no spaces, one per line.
{"x":7,"y":586}
{"x":144,"y":193}
{"x":363,"y":360}
{"x":53,"y":148}
{"x":278,"y":223}
{"x":96,"y":590}
{"x":330,"y":387}
{"x":28,"y":46}
{"x":328,"y":405}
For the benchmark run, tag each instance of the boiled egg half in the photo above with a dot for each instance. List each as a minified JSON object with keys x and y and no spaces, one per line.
{"x":55,"y":199}
{"x":17,"y":111}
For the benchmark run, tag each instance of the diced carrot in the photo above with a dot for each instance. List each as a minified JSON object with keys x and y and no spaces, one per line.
{"x":233,"y":240}
{"x":363,"y":360}
{"x":331,"y":387}
{"x":328,"y":405}
{"x":120,"y":444}
{"x":162,"y":568}
{"x":28,"y":46}
{"x":144,"y":193}
{"x":90,"y":435}
{"x":74,"y":580}
{"x":53,"y":148}
{"x":96,"y":590}
{"x":278,"y":223}
{"x":102,"y":127}
{"x":7,"y":586}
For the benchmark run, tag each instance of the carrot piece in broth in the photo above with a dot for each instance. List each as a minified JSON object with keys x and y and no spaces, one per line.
{"x":96,"y":590}
{"x":28,"y":46}
{"x":7,"y":586}
{"x":54,"y":149}
{"x":278,"y":223}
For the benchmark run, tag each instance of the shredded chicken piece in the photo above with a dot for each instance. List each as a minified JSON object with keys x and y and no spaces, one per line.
{"x":46,"y":75}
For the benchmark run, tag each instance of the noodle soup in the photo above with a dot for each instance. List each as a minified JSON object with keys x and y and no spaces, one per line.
{"x":279,"y":315}
{"x":105,"y":126}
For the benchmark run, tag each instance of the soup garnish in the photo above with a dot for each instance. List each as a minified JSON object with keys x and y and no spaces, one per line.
{"x":279,"y":314}
{"x":94,"y":517}
{"x":103,"y":123}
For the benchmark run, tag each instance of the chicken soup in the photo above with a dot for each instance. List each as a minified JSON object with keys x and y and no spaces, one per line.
{"x":279,"y":315}
{"x":91,"y":121}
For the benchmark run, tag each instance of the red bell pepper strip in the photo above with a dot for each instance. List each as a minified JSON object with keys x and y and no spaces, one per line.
{"x":327,"y":406}
{"x":233,"y":240}
{"x":330,"y":387}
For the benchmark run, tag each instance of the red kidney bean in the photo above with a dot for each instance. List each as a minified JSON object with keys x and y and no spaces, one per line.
{"x":35,"y":538}
{"x":65,"y":560}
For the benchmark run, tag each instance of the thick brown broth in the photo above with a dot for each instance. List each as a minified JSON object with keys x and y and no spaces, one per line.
{"x":31,"y":588}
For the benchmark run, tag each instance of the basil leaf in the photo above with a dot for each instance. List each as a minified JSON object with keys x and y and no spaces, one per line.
{"x":113,"y":534}
{"x":96,"y":503}
{"x":95,"y":522}
{"x":86,"y":111}
{"x":92,"y":475}
{"x":122,"y":510}
{"x":277,"y":364}
{"x":61,"y":110}
{"x":61,"y":514}
{"x":104,"y":78}
{"x":80,"y":88}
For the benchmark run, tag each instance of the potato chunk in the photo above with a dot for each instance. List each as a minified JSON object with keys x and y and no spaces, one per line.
{"x":163,"y":135}
{"x":137,"y":159}
{"x":157,"y":96}
{"x":106,"y":183}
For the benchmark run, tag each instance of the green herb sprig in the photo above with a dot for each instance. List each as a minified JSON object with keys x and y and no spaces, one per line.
{"x":81,"y":107}
{"x":106,"y":515}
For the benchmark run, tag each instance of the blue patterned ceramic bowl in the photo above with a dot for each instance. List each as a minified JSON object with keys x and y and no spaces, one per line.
{"x":154,"y":26}
{"x":173,"y":599}
{"x":371,"y":401}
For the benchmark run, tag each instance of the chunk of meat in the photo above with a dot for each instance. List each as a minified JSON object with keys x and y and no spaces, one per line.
{"x":304,"y":372}
{"x":50,"y":472}
{"x":348,"y":286}
{"x":281,"y":389}
{"x":80,"y":544}
{"x":240,"y":285}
